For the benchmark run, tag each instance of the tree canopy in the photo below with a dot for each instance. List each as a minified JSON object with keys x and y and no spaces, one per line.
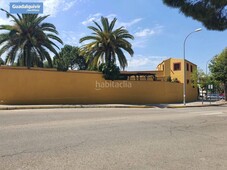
{"x":218,"y":68}
{"x":212,"y":13}
{"x":1,"y":61}
{"x":106,"y":45}
{"x":199,"y":78}
{"x":28,"y":40}
{"x":70,"y":58}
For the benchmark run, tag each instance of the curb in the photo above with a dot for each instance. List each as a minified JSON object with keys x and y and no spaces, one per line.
{"x":104,"y":106}
{"x":65,"y":107}
{"x":201,"y":105}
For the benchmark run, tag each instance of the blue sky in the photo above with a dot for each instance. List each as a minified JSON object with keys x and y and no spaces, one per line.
{"x":159,"y":30}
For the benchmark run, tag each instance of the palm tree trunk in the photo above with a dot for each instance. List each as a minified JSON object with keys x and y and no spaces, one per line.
{"x":28,"y":57}
{"x":109,"y":58}
{"x":25,"y":57}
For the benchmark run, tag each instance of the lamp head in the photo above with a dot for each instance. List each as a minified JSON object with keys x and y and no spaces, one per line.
{"x":198,"y":29}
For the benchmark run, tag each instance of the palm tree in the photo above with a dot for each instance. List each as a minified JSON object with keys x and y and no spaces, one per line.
{"x":106,"y":44}
{"x":1,"y":61}
{"x":28,"y":38}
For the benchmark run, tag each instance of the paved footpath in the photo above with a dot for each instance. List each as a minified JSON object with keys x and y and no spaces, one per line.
{"x":175,"y":105}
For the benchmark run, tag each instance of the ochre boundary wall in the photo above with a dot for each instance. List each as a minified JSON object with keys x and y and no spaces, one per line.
{"x":48,"y":86}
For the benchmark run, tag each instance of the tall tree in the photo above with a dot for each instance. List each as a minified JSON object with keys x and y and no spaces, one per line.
{"x":69,"y":57}
{"x":199,"y":79}
{"x":202,"y":81}
{"x":212,"y":13}
{"x":106,"y":44}
{"x":28,"y":38}
{"x":218,"y":68}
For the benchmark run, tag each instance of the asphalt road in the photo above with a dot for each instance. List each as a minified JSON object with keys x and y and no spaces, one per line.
{"x":96,"y":139}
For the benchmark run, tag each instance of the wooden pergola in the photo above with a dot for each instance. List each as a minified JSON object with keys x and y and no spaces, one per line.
{"x":137,"y":75}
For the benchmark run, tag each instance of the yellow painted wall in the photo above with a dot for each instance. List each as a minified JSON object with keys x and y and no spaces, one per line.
{"x":46,"y":86}
{"x":179,"y":74}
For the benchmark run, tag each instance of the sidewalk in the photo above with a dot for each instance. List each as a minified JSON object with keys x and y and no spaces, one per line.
{"x":177,"y":105}
{"x":197,"y":104}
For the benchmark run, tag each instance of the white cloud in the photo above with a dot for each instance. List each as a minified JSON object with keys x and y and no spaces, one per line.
{"x":71,"y":37}
{"x":142,"y":36}
{"x":130,"y":23}
{"x":96,"y":17}
{"x":91,"y":18}
{"x":139,"y":43}
{"x":52,"y":7}
{"x":148,"y":32}
{"x":5,"y":21}
{"x":144,"y":33}
{"x":4,"y":5}
{"x":143,"y":63}
{"x":111,"y":16}
{"x":68,"y":5}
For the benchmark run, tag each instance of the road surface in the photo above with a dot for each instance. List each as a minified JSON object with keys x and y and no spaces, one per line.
{"x":101,"y":139}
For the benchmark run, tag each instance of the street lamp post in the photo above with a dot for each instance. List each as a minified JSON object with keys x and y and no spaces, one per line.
{"x":184,"y":63}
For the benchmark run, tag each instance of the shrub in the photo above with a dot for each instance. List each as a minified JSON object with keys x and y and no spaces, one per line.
{"x":111,"y":72}
{"x":175,"y":80}
{"x":169,"y":79}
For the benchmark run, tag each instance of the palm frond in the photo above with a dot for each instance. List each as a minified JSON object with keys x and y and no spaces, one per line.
{"x":4,"y":37}
{"x":47,"y":25}
{"x":106,"y":43}
{"x":112,"y":24}
{"x":6,"y":27}
{"x":49,"y":29}
{"x":38,"y":20}
{"x":86,"y":38}
{"x":98,"y":26}
{"x":121,"y":58}
{"x":55,"y":38}
{"x":5,"y":48}
{"x":12,"y":16}
{"x":105,"y":24}
{"x":29,"y":39}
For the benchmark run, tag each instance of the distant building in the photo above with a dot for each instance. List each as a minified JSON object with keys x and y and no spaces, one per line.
{"x":174,"y":68}
{"x":171,"y":68}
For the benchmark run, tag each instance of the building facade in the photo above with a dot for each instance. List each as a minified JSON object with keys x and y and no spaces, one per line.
{"x":174,"y":68}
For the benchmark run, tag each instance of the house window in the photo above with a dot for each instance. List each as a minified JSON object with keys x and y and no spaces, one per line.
{"x":191,"y":68}
{"x":187,"y":67}
{"x":163,"y":67}
{"x":177,"y":66}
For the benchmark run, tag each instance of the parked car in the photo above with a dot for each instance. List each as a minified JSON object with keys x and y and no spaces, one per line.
{"x":221,"y":96}
{"x":215,"y":96}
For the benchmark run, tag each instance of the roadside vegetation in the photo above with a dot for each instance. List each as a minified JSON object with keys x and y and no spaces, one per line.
{"x":70,"y":58}
{"x":28,"y":40}
{"x":218,"y":68}
{"x":107,"y":45}
{"x":211,"y":13}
